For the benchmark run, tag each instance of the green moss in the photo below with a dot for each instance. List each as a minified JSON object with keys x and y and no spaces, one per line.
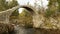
{"x":48,"y":24}
{"x":49,"y":13}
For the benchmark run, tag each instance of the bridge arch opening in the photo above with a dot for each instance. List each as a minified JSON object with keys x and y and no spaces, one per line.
{"x":31,"y":12}
{"x":29,"y":9}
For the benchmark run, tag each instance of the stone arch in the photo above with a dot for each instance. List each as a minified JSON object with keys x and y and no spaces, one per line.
{"x":8,"y":12}
{"x":29,"y":8}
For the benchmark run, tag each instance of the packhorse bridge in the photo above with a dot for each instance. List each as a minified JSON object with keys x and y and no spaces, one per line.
{"x":4,"y":15}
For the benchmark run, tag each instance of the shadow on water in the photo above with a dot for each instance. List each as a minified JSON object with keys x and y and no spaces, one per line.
{"x":23,"y":30}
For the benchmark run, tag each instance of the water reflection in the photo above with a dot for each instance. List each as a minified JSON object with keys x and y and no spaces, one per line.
{"x":23,"y":30}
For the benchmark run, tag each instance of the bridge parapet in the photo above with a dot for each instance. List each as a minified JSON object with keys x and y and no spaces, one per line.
{"x":4,"y":15}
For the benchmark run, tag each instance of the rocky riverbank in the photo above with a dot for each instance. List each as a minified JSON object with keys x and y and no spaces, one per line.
{"x":6,"y":28}
{"x":11,"y":29}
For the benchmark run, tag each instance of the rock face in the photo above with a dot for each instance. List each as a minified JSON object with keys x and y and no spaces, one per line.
{"x":6,"y":29}
{"x":40,"y":21}
{"x":3,"y":29}
{"x":10,"y":28}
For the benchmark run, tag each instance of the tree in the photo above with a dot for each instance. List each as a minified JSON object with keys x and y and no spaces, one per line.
{"x":3,"y":5}
{"x":52,"y":7}
{"x":58,"y":5}
{"x":12,"y":4}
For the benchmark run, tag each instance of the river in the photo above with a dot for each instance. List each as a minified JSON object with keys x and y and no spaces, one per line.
{"x":24,"y":30}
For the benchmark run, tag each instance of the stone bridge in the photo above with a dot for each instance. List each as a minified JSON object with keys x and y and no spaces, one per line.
{"x":4,"y":15}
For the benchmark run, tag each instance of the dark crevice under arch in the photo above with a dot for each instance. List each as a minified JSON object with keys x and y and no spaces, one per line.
{"x":29,"y":9}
